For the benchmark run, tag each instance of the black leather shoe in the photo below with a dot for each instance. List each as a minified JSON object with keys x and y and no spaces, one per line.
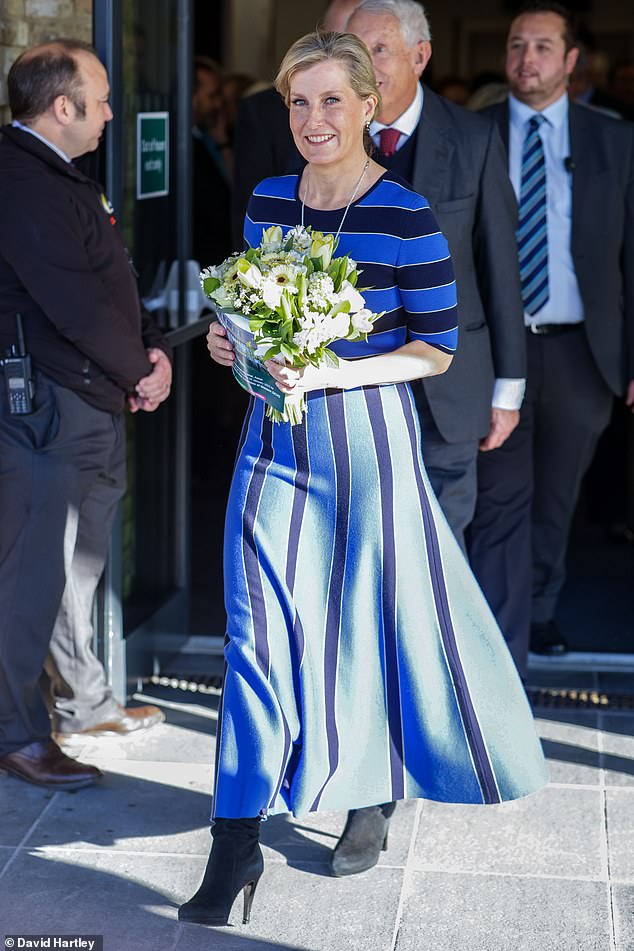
{"x":363,"y":840}
{"x":235,"y":864}
{"x":546,"y":639}
{"x":44,"y":764}
{"x":125,"y":720}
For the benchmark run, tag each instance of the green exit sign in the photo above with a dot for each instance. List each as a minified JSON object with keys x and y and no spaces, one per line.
{"x":153,"y":152}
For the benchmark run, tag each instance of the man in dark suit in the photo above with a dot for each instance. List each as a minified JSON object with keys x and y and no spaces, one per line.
{"x":65,"y":270}
{"x":456,"y":160}
{"x":573,"y":172}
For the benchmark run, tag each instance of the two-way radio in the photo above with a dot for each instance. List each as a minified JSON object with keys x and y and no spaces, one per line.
{"x":18,"y":375}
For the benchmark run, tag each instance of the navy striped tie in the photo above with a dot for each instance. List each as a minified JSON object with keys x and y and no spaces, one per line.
{"x":532,"y":231}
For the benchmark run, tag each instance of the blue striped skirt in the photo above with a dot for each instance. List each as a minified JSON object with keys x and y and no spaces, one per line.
{"x":363,"y":664}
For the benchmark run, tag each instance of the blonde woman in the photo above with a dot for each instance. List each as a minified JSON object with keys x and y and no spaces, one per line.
{"x":363,"y":665}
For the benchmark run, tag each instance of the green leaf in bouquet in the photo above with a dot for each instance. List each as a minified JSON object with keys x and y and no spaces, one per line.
{"x":285,"y":305}
{"x":337,"y":272}
{"x":256,"y":323}
{"x":301,"y":285}
{"x":210,"y":284}
{"x":353,"y":277}
{"x":272,"y":351}
{"x":330,"y":359}
{"x":289,"y":352}
{"x":343,"y":307}
{"x":316,"y":263}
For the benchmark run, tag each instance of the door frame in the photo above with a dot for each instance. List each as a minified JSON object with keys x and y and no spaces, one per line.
{"x":129,"y":655}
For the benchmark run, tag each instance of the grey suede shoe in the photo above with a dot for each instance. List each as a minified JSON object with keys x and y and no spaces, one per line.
{"x":363,"y":839}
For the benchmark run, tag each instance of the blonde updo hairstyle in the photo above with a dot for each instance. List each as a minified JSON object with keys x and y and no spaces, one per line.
{"x":344,"y":48}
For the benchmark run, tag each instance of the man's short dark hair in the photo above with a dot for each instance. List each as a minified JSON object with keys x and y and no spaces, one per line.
{"x":207,"y":65}
{"x":544,"y":6}
{"x":40,"y":75}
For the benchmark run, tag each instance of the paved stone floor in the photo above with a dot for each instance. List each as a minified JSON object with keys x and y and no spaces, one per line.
{"x":554,"y":872}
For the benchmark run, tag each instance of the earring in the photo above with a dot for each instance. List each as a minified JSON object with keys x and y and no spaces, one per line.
{"x":367,"y":126}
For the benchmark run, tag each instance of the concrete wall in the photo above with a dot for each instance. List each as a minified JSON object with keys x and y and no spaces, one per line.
{"x":25,"y":23}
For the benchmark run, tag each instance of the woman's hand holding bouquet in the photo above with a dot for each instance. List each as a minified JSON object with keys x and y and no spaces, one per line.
{"x":298,"y":299}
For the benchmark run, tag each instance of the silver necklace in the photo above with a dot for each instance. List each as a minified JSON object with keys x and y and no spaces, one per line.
{"x":350,"y":200}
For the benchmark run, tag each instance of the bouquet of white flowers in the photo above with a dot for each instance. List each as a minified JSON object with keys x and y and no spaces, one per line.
{"x":297,"y":298}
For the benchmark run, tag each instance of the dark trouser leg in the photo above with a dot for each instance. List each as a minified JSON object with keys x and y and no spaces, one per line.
{"x":566,"y":407}
{"x":81,"y":696}
{"x":48,"y":461}
{"x":37,"y":496}
{"x":499,"y":539}
{"x":451,"y":468}
{"x":572,"y":412}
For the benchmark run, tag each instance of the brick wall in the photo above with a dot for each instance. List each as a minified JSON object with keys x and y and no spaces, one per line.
{"x":25,"y":23}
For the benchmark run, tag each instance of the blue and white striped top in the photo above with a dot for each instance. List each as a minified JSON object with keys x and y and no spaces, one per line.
{"x":392,"y":234}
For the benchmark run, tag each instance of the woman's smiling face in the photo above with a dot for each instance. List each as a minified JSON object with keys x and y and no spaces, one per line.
{"x":326,"y":114}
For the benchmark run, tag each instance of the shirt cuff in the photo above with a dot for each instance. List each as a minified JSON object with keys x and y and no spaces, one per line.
{"x":508,"y":394}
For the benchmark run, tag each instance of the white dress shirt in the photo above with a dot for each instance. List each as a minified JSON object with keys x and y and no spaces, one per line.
{"x":564,"y":304}
{"x":507,"y":394}
{"x":406,"y":123}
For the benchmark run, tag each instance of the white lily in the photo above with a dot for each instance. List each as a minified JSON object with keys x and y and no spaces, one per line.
{"x":248,"y":274}
{"x":352,"y":295}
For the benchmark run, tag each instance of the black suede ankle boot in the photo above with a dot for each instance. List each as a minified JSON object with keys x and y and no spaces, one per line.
{"x":235,"y":863}
{"x":363,"y":839}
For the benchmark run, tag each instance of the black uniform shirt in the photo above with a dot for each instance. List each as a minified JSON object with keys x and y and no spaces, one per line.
{"x":64,"y":267}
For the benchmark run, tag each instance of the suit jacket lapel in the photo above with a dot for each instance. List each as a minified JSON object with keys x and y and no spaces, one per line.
{"x":433,"y":151}
{"x":588,"y":167}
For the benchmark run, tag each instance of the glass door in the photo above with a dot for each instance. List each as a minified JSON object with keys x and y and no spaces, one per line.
{"x":147,"y":48}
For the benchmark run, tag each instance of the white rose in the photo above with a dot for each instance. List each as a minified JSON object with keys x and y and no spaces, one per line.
{"x":362,"y":321}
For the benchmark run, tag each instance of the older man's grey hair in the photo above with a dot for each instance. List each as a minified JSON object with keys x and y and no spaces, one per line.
{"x":411,"y":16}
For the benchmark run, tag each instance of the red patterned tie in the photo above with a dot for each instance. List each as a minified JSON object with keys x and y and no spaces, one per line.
{"x":388,"y":139}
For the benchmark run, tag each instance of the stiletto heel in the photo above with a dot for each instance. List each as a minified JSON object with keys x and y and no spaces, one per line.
{"x":234,"y":865}
{"x":384,"y":846}
{"x":248,"y":895}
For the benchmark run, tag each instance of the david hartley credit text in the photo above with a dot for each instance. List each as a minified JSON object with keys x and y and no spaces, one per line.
{"x":87,"y":942}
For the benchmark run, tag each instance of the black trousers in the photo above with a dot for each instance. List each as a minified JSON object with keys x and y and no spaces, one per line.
{"x":451,"y":467}
{"x":528,"y":488}
{"x":62,"y":473}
